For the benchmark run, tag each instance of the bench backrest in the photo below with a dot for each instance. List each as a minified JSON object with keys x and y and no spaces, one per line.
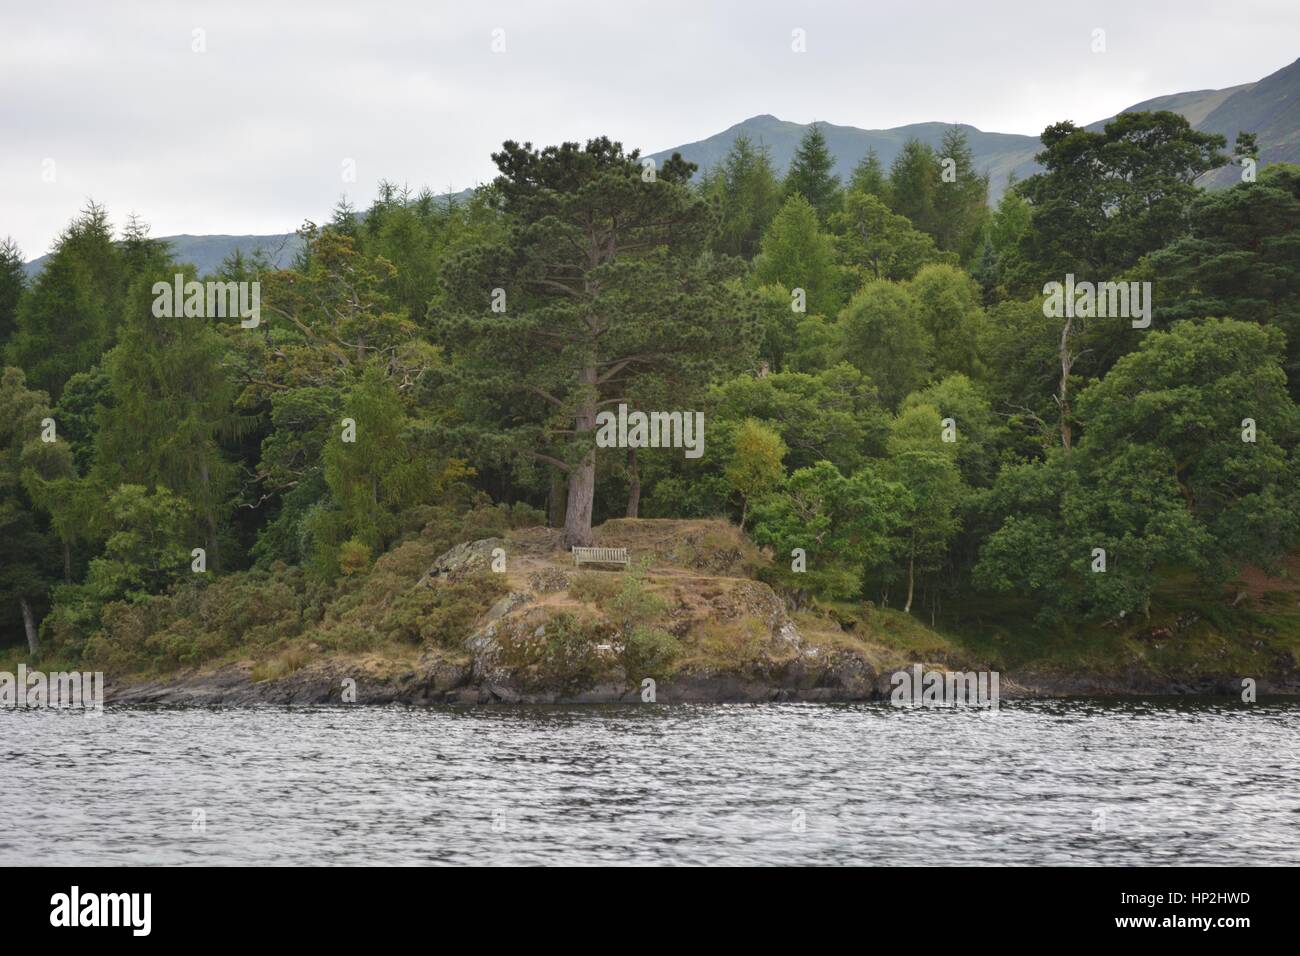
{"x":602,"y":555}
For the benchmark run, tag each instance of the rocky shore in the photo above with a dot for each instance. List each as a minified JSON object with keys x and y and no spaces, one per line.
{"x":561,"y":635}
{"x":829,"y":682}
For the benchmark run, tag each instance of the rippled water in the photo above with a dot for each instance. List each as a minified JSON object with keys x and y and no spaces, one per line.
{"x":1038,"y":783}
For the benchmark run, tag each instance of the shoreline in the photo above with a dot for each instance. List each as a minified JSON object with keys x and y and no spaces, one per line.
{"x":324,"y":682}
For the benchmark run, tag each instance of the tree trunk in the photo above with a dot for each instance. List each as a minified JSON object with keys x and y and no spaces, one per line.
{"x":555,"y":500}
{"x":67,"y":562}
{"x":911,"y":581}
{"x":633,"y":485}
{"x":29,"y":625}
{"x":582,"y":477}
{"x":1063,"y":399}
{"x":744,"y":511}
{"x":577,"y":515}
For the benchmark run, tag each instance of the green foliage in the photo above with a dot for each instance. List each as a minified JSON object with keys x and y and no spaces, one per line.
{"x":147,"y":548}
{"x":948,"y":301}
{"x":980,"y":434}
{"x":1161,"y":478}
{"x":913,"y":180}
{"x":649,"y":651}
{"x":960,"y":197}
{"x":1007,"y":227}
{"x":810,"y":174}
{"x":146,"y":551}
{"x":81,"y":408}
{"x":755,"y":467}
{"x":1108,"y":198}
{"x":1180,"y":402}
{"x":607,"y":298}
{"x":842,"y":525}
{"x":796,"y":254}
{"x":924,"y":464}
{"x":170,"y":409}
{"x":689,"y":496}
{"x":832,"y":416}
{"x":13,"y":282}
{"x":881,"y":335}
{"x":1239,"y":259}
{"x":176,"y":433}
{"x":66,"y":321}
{"x":371,"y":478}
{"x":26,"y":549}
{"x":745,"y":187}
{"x":869,"y":177}
{"x":878,"y":244}
{"x":633,"y":603}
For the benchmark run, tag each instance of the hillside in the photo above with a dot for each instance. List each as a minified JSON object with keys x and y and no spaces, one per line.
{"x":207,"y":253}
{"x":1269,"y":108}
{"x":1001,"y":154}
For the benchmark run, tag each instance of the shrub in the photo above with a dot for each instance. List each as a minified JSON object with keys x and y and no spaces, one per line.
{"x":648,"y":652}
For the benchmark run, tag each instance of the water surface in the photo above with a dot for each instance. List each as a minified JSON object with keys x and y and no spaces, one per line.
{"x":1035,"y":783}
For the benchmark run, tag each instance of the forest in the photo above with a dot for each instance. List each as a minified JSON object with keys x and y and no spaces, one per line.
{"x":892,"y":410}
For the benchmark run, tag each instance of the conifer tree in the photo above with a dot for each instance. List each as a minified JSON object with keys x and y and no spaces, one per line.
{"x":869,"y":176}
{"x":68,"y":318}
{"x":171,"y":406}
{"x":960,"y":197}
{"x":913,"y":178}
{"x":746,"y":189}
{"x":599,"y":287}
{"x":13,"y":281}
{"x":810,"y":174}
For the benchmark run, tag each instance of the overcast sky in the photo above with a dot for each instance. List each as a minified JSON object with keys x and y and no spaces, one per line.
{"x":251,"y":134}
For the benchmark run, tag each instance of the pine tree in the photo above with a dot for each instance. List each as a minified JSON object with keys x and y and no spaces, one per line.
{"x":598,"y":288}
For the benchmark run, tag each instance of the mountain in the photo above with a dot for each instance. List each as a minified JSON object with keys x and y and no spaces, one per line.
{"x":1270,"y":108}
{"x":208,"y":252}
{"x":1001,"y":154}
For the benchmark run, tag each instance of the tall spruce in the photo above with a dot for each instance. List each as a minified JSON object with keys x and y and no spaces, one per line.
{"x":960,"y":197}
{"x":67,"y":320}
{"x":913,"y":178}
{"x":810,"y":174}
{"x":13,"y":281}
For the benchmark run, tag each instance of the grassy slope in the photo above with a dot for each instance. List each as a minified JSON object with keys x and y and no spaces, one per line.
{"x":700,"y":588}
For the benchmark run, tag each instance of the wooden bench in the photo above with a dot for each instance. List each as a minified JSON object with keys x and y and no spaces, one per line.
{"x":600,"y":556}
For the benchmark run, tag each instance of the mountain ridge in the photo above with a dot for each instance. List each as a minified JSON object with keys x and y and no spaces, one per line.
{"x":1269,"y":107}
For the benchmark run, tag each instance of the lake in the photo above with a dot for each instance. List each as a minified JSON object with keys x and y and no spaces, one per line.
{"x":1078,"y":782}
